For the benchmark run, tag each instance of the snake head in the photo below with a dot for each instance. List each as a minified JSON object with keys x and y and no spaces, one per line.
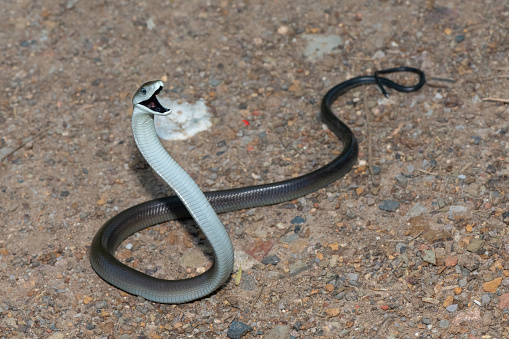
{"x":145,"y":98}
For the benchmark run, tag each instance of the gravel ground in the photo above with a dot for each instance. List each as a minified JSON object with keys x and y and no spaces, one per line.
{"x":418,"y":250}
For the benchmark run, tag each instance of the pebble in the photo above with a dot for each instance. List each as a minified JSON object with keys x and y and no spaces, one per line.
{"x":352,"y":277}
{"x":298,"y":267}
{"x":441,"y":202}
{"x":451,"y":261}
{"x":475,"y":244}
{"x":237,"y":330}
{"x":491,"y":286}
{"x":298,"y":220}
{"x":279,"y":332}
{"x":504,"y":301}
{"x":444,"y":323}
{"x":271,"y":260}
{"x":417,"y":210}
{"x":429,"y":256}
{"x":192,"y":259}
{"x":400,"y":248}
{"x":469,"y":261}
{"x":401,"y":180}
{"x":214,"y":82}
{"x":426,"y":321}
{"x":320,"y":44}
{"x":452,"y":308}
{"x":351,"y":214}
{"x":290,"y":238}
{"x":259,"y":248}
{"x":101,"y":304}
{"x":388,"y":205}
{"x":457,"y":209}
{"x":485,"y":299}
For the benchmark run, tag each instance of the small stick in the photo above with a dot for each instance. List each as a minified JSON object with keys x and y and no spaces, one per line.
{"x":443,"y":79}
{"x":15,"y":149}
{"x":505,"y":101}
{"x":259,"y":295}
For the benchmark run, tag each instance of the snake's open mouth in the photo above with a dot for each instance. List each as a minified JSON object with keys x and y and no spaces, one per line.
{"x":153,"y":104}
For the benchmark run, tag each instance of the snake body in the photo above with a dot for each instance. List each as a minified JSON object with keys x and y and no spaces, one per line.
{"x":190,"y":201}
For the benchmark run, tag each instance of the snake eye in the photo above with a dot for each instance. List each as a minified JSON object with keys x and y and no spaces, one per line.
{"x":143,"y":91}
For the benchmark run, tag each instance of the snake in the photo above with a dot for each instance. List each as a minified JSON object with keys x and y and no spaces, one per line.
{"x":190,"y":202}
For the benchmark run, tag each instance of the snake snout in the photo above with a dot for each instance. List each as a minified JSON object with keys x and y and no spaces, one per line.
{"x":153,"y":104}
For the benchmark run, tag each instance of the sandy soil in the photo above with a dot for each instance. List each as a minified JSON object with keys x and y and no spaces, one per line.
{"x":418,"y":251}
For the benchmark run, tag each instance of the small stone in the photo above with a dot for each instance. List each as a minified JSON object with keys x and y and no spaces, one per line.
{"x":214,"y":82}
{"x":505,"y":215}
{"x":259,"y":249}
{"x":280,"y":226}
{"x":298,"y":267}
{"x":452,"y":308}
{"x":352,"y":277}
{"x":441,"y":202}
{"x":101,"y":304}
{"x":491,"y":169}
{"x":459,"y":38}
{"x":388,"y":205}
{"x":444,"y":323}
{"x":351,"y":214}
{"x":279,"y":332}
{"x":298,"y":220}
{"x":491,"y":286}
{"x":504,"y":301}
{"x":429,"y":256}
{"x":376,"y":170}
{"x":400,"y":248}
{"x":475,"y":244}
{"x":192,"y":259}
{"x":426,"y":321}
{"x":469,"y":261}
{"x":448,"y":301}
{"x":271,"y":260}
{"x":485,"y":299}
{"x":457,"y":210}
{"x":401,"y":180}
{"x":451,"y":261}
{"x":9,"y":321}
{"x":237,"y":330}
{"x":333,"y":312}
{"x":290,"y":238}
{"x":416,"y":211}
{"x":283,"y":30}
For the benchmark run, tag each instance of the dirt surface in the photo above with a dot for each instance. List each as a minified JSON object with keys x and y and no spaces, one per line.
{"x":419,"y":250}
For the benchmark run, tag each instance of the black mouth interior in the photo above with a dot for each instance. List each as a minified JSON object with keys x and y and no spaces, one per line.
{"x":153,"y":104}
